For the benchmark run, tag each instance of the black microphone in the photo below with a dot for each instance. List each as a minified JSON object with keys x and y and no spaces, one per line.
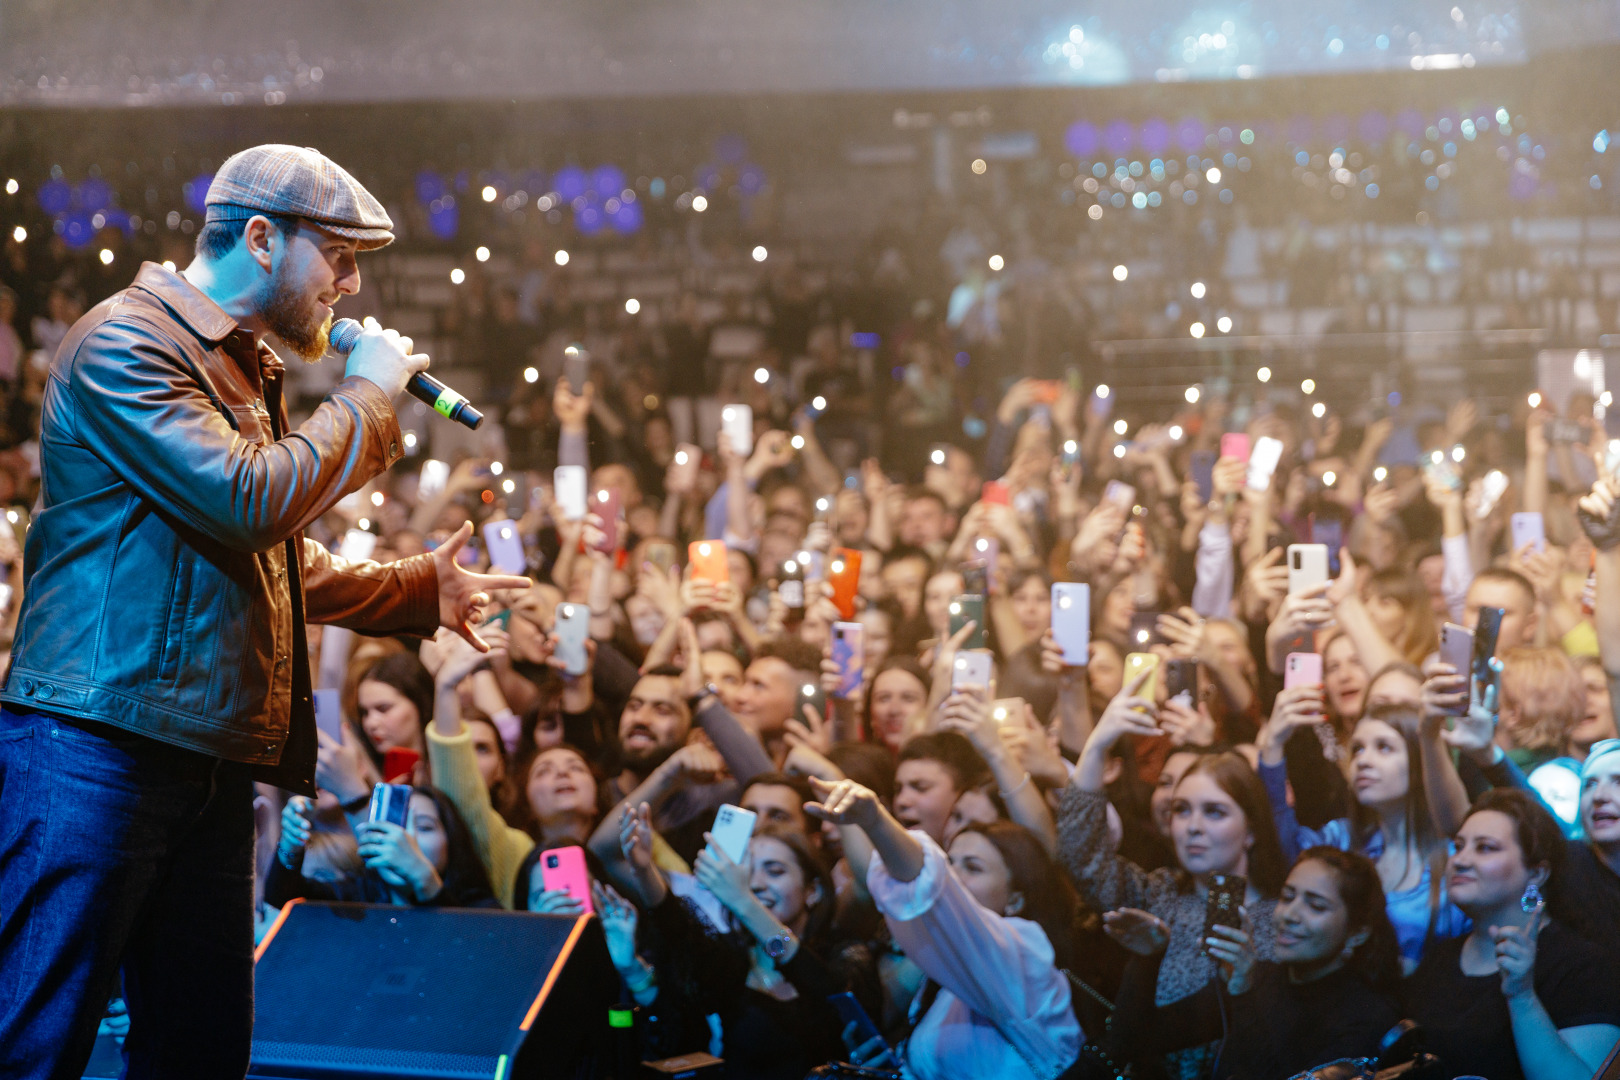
{"x":423,"y":387}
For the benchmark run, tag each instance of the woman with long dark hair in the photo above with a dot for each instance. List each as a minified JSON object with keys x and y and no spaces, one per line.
{"x":1327,"y":994}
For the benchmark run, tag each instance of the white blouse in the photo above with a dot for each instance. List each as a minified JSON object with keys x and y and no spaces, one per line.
{"x":1003,"y":1009}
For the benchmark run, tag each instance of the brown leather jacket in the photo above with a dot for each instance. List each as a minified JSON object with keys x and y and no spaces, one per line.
{"x":156,"y":587}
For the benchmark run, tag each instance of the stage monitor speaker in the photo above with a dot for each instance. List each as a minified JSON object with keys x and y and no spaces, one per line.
{"x":358,"y":991}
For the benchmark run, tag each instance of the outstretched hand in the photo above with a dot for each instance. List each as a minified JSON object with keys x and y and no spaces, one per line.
{"x":462,"y":593}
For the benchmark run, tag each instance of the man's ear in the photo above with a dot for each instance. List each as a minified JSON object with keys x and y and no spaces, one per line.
{"x":262,"y":240}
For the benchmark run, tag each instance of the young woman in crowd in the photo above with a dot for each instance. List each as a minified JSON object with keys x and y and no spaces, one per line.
{"x":990,"y":925}
{"x":393,"y":703}
{"x":894,"y":697}
{"x":1220,"y":823}
{"x":1522,"y":995}
{"x":1328,"y":993}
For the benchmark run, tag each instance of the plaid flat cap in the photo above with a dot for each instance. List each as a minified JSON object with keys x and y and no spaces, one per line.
{"x":298,"y":182}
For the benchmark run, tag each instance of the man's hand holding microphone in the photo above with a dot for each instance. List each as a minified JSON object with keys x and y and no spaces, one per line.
{"x":382,"y":356}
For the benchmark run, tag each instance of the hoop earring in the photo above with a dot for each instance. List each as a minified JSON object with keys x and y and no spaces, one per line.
{"x":1532,"y":901}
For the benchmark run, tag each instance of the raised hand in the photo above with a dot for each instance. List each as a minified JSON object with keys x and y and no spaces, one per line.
{"x":635,"y":836}
{"x":727,"y":880}
{"x":462,"y":593}
{"x":1295,"y":707}
{"x":619,"y":917}
{"x":1516,"y":956}
{"x":844,"y":803}
{"x":1141,"y":932}
{"x":295,"y":830}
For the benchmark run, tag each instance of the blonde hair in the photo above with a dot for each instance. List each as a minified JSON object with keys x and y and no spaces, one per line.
{"x":1547,"y":696}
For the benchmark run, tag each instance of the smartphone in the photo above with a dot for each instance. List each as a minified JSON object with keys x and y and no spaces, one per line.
{"x":1235,"y":444}
{"x":505,"y":546}
{"x":431,"y":480}
{"x":1565,"y":431}
{"x":971,"y":668}
{"x":568,"y":486}
{"x":813,"y":695}
{"x":563,"y":869}
{"x":995,"y":493}
{"x":606,"y":507}
{"x":1071,"y":457}
{"x":1307,"y":567}
{"x":733,"y":827}
{"x":391,"y":803}
{"x":707,"y":558}
{"x":576,"y":368}
{"x":1226,"y":893}
{"x":850,"y":1012}
{"x":849,"y":653}
{"x":688,"y":459}
{"x":844,"y":575}
{"x":976,"y":577}
{"x":987,"y":548}
{"x":686,"y":1065}
{"x":573,"y":627}
{"x":329,"y":712}
{"x":357,"y":545}
{"x":1102,"y":402}
{"x":1181,"y":682}
{"x":1457,"y":649}
{"x":939,"y":453}
{"x":1263,"y":462}
{"x":1138,"y":662}
{"x":661,"y":554}
{"x":1527,"y":528}
{"x":968,"y":606}
{"x":1144,"y":630}
{"x":1302,"y":669}
{"x":737,"y":421}
{"x":1007,"y":710}
{"x":1121,"y":495}
{"x":1071,"y":621}
{"x":1493,"y":485}
{"x":1486,"y":630}
{"x":399,"y":763}
{"x":502,"y":619}
{"x":1202,"y":471}
{"x":1443,"y":471}
{"x":1329,"y":532}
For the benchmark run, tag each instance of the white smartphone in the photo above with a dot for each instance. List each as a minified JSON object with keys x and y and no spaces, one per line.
{"x":972,"y":668}
{"x":1263,"y":461}
{"x":737,"y":421}
{"x":573,"y":627}
{"x":1492,"y":486}
{"x":1007,"y":710}
{"x":1120,"y":494}
{"x":569,"y":481}
{"x":733,"y":827}
{"x":431,"y":481}
{"x":1071,"y":621}
{"x":505,"y":547}
{"x":688,"y":458}
{"x":1457,"y":649}
{"x":357,"y":545}
{"x":1307,"y":567}
{"x":1527,"y":528}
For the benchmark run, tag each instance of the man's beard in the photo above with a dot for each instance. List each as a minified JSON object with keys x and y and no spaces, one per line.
{"x":293,"y":317}
{"x":643,"y":762}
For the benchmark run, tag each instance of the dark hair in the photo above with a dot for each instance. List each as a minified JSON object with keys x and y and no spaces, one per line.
{"x":820,"y":914}
{"x":465,"y":882}
{"x":800,"y":786}
{"x":1541,"y":840}
{"x":404,"y":673}
{"x":901,"y":552}
{"x":1049,"y":900}
{"x":918,"y":491}
{"x":1407,"y":723}
{"x":1021,"y":575}
{"x":1378,"y":959}
{"x":218,"y":239}
{"x":953,"y":752}
{"x":796,"y":653}
{"x":1231,"y":773}
{"x":896,"y":662}
{"x":868,"y":764}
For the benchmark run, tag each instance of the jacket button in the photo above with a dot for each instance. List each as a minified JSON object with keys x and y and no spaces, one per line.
{"x":393,"y":449}
{"x":28,"y":687}
{"x":47,"y":691}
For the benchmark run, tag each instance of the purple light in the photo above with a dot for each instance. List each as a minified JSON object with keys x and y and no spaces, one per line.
{"x":195,"y":191}
{"x":92,"y":194}
{"x":751,"y":180}
{"x":429,"y":186}
{"x":1373,"y":126}
{"x":1190,"y":133}
{"x":1082,"y":139}
{"x":961,"y":359}
{"x":627,"y":218}
{"x":571,"y":182}
{"x":76,"y":229}
{"x":1409,"y":122}
{"x":731,"y":149}
{"x":589,"y":219}
{"x":54,"y":196}
{"x":1119,"y":136}
{"x":607,"y":180}
{"x":444,"y":218}
{"x":1155,"y":136}
{"x":706,"y":177}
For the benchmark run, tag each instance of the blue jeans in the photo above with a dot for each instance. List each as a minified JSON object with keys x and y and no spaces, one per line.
{"x":118,"y":851}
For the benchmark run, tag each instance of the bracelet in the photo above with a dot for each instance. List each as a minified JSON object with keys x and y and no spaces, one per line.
{"x":1016,"y":787}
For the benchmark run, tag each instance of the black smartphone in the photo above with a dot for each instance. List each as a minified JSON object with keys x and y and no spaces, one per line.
{"x":813,"y":695}
{"x":1328,"y":531}
{"x":576,"y":369}
{"x":968,"y":606}
{"x":1144,"y":631}
{"x":1486,"y":631}
{"x":1181,"y":678}
{"x":1226,"y":893}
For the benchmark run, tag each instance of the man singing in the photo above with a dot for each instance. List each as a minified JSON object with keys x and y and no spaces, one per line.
{"x":160,"y":665}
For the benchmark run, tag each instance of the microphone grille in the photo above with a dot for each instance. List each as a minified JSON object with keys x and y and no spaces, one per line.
{"x":345,"y":332}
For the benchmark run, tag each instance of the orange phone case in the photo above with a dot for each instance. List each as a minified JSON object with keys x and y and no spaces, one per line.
{"x":708,"y":561}
{"x":844,"y":574}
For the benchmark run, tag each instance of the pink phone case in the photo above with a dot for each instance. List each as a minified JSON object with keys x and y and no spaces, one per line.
{"x":608,"y":510}
{"x":1235,"y":444}
{"x":564,"y":868}
{"x":1302,"y":669}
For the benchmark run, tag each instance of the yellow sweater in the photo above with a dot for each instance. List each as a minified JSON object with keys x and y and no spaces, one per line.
{"x":501,"y":848}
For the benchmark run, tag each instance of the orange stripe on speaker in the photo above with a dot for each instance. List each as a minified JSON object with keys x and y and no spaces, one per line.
{"x":551,"y":977}
{"x":275,"y":927}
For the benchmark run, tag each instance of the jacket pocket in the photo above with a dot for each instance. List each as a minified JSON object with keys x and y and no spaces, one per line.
{"x":175,"y":625}
{"x":247,"y":423}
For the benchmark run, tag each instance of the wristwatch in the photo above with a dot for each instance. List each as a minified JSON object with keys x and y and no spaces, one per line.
{"x":780,"y":946}
{"x":709,"y":689}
